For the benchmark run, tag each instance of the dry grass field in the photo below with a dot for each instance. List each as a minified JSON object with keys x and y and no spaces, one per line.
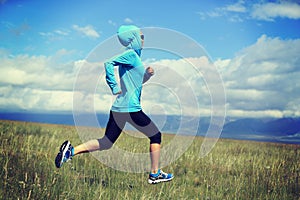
{"x":232,"y":170}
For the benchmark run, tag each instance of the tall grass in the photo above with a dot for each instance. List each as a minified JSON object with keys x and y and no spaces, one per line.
{"x":233,"y":170}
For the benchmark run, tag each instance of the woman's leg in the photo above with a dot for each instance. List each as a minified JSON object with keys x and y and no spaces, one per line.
{"x":154,"y":155}
{"x":90,"y":146}
{"x":144,"y":124}
{"x":113,"y":130}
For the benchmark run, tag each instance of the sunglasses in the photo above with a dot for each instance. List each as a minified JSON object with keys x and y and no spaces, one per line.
{"x":142,"y":37}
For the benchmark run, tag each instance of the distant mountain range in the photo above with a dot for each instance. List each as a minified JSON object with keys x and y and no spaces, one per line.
{"x":286,"y":130}
{"x":275,"y":127}
{"x":283,"y":130}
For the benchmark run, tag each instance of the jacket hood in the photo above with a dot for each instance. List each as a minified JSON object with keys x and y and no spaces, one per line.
{"x":130,"y":37}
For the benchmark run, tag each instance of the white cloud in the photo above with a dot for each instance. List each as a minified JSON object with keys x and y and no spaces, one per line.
{"x":38,"y":100}
{"x":254,"y":114}
{"x":241,"y":10}
{"x":128,"y":20}
{"x":237,"y":7}
{"x":230,"y":12}
{"x":56,"y":35}
{"x":36,"y":82}
{"x":183,"y":86}
{"x":270,"y":11}
{"x":262,"y":79}
{"x":62,"y":32}
{"x":112,"y":23}
{"x":36,"y":71}
{"x":88,"y":31}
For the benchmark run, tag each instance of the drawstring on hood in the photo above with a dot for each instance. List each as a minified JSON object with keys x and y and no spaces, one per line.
{"x":129,"y":36}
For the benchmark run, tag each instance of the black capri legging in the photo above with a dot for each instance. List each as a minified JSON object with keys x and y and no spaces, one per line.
{"x":139,"y":120}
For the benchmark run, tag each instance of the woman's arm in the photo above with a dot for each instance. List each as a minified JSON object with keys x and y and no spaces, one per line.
{"x":126,"y":58}
{"x":110,"y":77}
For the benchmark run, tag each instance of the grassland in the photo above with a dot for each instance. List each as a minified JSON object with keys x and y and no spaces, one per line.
{"x":233,"y":170}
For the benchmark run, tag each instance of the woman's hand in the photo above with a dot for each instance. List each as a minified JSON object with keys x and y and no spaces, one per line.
{"x":150,"y":71}
{"x":117,"y":93}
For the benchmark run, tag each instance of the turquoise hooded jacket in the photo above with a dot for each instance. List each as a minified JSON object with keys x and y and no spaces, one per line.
{"x":131,"y":71}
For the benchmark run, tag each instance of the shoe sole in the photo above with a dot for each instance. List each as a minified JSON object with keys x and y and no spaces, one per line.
{"x":60,"y":156}
{"x":159,"y":180}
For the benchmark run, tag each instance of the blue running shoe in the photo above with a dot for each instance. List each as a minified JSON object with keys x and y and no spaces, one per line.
{"x":159,"y":177}
{"x":66,"y":152}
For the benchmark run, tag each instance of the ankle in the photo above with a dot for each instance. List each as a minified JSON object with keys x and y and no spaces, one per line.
{"x":154,"y":171}
{"x":72,"y":151}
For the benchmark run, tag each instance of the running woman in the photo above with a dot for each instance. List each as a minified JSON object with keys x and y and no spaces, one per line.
{"x":127,"y":106}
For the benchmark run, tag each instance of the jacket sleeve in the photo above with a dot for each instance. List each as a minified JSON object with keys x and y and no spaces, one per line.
{"x":123,"y":59}
{"x":110,"y":77}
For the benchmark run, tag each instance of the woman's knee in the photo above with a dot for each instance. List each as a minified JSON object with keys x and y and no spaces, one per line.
{"x":155,"y":139}
{"x":105,"y":143}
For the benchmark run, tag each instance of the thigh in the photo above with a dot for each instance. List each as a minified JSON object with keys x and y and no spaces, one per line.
{"x":114,"y":126}
{"x":143,"y":123}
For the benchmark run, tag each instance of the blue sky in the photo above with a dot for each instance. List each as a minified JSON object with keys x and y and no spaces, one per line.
{"x":254,"y":45}
{"x":222,"y":27}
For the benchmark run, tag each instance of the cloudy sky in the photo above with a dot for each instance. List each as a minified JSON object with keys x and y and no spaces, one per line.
{"x":254,"y":45}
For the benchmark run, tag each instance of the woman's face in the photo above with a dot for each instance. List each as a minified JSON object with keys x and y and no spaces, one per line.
{"x":142,"y":38}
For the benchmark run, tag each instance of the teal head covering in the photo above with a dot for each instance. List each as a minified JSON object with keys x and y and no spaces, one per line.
{"x":130,"y":37}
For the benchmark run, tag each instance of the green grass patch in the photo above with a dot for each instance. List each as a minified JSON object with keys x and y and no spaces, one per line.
{"x":232,"y":170}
